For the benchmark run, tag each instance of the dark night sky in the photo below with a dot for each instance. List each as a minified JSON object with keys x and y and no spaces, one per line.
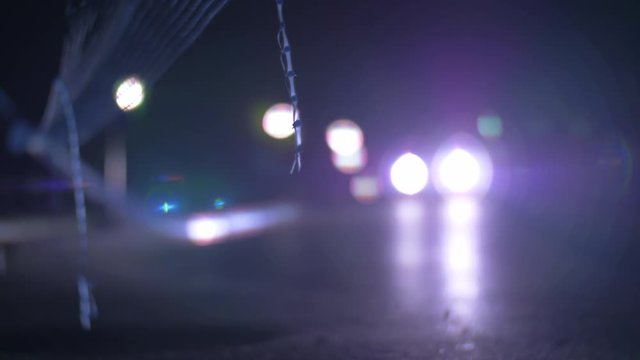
{"x":564,"y":77}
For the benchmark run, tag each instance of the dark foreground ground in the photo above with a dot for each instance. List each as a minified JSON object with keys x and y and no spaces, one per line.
{"x":399,"y":280}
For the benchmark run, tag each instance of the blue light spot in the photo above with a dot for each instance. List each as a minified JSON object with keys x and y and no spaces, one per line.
{"x":219,"y":203}
{"x":167,"y":207}
{"x":490,"y":126}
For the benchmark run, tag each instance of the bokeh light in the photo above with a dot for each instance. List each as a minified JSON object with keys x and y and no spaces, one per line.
{"x":277,"y":121}
{"x":350,"y":164}
{"x":129,"y":94}
{"x":215,"y":227}
{"x":409,"y":174}
{"x":365,"y":189}
{"x":462,"y":166}
{"x":219,"y":203}
{"x":490,"y":126}
{"x":459,"y":171}
{"x":167,"y":207}
{"x":205,"y":230}
{"x":344,"y":137}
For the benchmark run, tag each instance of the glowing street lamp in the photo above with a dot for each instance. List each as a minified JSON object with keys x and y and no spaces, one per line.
{"x":129,"y":94}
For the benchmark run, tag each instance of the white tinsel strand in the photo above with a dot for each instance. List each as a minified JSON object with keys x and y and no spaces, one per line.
{"x":287,"y":64}
{"x":88,"y":308}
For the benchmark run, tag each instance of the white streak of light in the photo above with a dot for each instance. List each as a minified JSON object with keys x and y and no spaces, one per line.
{"x":409,"y":252}
{"x":460,"y":257}
{"x":206,"y":229}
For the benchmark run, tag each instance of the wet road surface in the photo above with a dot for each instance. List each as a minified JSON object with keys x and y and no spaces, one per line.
{"x":405,"y":279}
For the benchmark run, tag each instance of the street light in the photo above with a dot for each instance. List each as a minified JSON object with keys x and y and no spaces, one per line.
{"x":129,"y":94}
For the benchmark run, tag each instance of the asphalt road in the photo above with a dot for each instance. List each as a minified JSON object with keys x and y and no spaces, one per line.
{"x":406,"y":279}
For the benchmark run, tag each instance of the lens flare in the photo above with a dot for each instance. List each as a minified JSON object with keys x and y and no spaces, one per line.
{"x":277,"y":122}
{"x":129,"y":94}
{"x":344,"y":137}
{"x":167,"y":207}
{"x":409,"y":174}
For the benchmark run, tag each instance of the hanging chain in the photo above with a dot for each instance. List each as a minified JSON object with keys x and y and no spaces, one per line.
{"x":289,"y":74}
{"x":88,"y":308}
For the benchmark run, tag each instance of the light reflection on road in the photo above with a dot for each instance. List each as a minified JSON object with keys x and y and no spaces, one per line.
{"x":410,"y":252}
{"x":460,"y":258}
{"x":453,"y":253}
